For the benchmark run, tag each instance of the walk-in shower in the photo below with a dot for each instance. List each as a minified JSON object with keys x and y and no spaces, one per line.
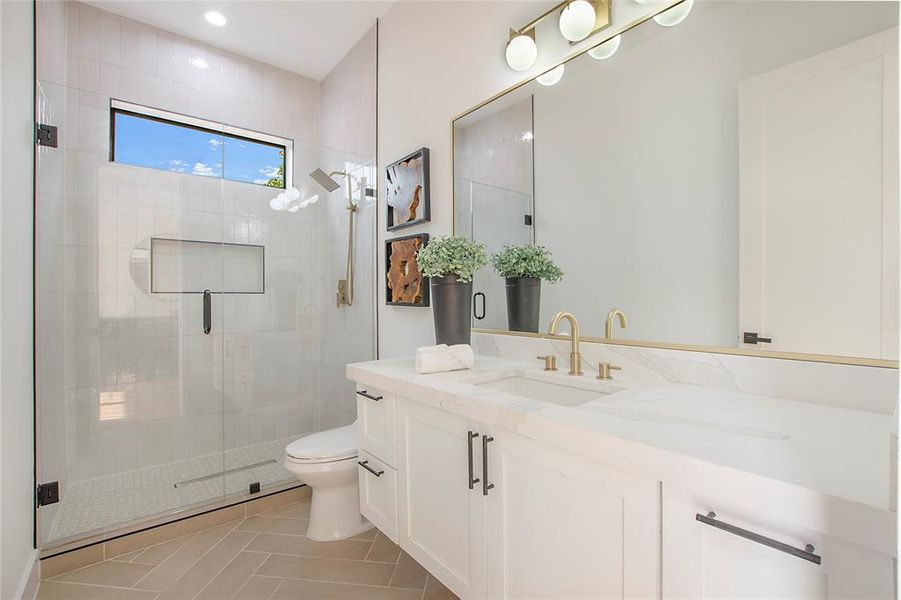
{"x":186,"y":330}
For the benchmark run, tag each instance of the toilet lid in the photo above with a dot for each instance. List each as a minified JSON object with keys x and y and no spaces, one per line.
{"x":332,"y":444}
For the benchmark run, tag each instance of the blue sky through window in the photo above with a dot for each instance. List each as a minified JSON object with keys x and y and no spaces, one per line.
{"x":145,"y":142}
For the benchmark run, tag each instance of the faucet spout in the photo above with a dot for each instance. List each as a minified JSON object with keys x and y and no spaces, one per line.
{"x":575,"y":356}
{"x":608,"y":326}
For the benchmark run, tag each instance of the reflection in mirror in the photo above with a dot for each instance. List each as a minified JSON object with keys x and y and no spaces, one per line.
{"x":729,"y":182}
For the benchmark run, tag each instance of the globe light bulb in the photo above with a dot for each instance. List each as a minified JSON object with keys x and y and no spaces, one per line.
{"x":551,"y":77}
{"x":607,"y":49}
{"x":521,"y":53}
{"x":577,"y":20}
{"x":674,"y":15}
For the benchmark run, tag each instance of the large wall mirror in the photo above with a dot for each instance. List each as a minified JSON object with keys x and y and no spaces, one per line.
{"x":728,"y":182}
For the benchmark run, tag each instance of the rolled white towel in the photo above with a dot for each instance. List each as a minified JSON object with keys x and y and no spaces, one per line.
{"x":436,"y":359}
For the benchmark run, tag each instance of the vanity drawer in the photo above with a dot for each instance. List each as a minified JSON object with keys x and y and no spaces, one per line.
{"x":375,"y":412}
{"x":378,"y":493}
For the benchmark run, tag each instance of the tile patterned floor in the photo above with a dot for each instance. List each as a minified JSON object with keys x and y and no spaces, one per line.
{"x":263,"y":556}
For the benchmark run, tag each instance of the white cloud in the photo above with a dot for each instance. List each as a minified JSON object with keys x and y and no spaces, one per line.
{"x":214,"y":144}
{"x":202,"y":169}
{"x":269,"y":172}
{"x":177,"y":165}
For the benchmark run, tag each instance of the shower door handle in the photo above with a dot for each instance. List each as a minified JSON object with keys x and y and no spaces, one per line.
{"x":207,"y":308}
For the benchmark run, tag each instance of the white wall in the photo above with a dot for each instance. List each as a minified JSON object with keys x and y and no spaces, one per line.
{"x":437,"y":60}
{"x":17,"y":554}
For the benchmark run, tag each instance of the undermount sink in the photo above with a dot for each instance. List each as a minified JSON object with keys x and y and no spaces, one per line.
{"x":555,"y":393}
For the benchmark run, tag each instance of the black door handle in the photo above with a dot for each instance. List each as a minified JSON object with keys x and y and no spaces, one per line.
{"x":472,"y":480}
{"x":207,"y":308}
{"x":475,"y":313}
{"x":752,"y":337}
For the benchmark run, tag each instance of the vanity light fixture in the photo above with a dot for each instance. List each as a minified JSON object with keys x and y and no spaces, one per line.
{"x":521,"y":50}
{"x":552,"y":77}
{"x":607,"y":49}
{"x":214,"y":17}
{"x":578,"y":20}
{"x":675,"y":15}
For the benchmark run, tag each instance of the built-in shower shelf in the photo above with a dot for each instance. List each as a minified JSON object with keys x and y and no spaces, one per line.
{"x":194,"y":266}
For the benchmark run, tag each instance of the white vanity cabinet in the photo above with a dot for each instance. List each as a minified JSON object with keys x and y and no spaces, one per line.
{"x":544,"y":523}
{"x":441,"y":515}
{"x":562,"y":526}
{"x":705,"y":556}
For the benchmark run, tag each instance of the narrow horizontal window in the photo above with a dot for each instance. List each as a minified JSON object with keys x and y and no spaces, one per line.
{"x":146,"y":137}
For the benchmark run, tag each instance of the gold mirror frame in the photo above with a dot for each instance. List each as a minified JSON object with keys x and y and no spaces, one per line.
{"x":608,"y":34}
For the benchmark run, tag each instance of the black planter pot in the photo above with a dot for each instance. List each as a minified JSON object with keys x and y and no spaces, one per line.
{"x":451,"y":301}
{"x":523,"y":303}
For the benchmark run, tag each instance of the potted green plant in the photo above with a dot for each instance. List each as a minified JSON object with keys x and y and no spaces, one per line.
{"x":450,"y":263}
{"x":524,"y":267}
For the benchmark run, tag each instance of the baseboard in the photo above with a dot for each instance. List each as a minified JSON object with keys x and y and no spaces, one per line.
{"x":31,"y":578}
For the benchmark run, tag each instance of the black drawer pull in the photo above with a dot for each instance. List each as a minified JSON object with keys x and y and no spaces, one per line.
{"x":365,"y":465}
{"x":485,"y":485}
{"x":806,"y":553}
{"x":472,"y":480}
{"x":365,"y":394}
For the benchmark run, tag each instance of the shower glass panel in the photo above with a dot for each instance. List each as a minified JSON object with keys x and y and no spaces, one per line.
{"x":155,"y":399}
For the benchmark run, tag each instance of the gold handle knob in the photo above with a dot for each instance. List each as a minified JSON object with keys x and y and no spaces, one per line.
{"x":550,"y":362}
{"x":604,"y":371}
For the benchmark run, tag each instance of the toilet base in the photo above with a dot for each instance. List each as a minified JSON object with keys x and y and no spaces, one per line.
{"x":335,"y":513}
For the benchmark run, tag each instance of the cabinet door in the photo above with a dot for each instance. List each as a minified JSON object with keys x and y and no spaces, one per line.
{"x":562,"y":526}
{"x":440,"y":519}
{"x":702,"y":561}
{"x":378,"y":494}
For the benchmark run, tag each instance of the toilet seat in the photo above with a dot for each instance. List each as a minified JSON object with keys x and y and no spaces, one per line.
{"x":326,"y":446}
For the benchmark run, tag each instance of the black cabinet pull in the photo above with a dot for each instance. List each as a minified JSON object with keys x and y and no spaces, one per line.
{"x":365,"y":394}
{"x":485,"y":485}
{"x":207,"y":310}
{"x":475,"y":313}
{"x":365,"y":465}
{"x":806,"y":553}
{"x":472,"y":480}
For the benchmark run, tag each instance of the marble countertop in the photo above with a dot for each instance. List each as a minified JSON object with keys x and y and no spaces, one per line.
{"x":669,"y":431}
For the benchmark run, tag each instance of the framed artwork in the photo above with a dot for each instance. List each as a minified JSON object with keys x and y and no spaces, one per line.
{"x":405,"y":284}
{"x":407,"y":190}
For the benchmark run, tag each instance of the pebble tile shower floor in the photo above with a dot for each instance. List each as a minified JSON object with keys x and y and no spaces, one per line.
{"x":96,"y":504}
{"x":260,"y":557}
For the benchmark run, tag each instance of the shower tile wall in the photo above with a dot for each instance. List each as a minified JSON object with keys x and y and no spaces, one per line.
{"x":348,"y":140}
{"x":123,"y":385}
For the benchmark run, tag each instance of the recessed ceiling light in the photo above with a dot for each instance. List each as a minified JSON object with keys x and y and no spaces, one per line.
{"x":215,"y":18}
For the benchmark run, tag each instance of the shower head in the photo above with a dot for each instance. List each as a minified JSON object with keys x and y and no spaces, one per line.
{"x":325,"y":180}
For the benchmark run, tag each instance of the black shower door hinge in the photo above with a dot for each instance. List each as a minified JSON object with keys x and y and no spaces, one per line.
{"x":48,"y":493}
{"x":47,"y":135}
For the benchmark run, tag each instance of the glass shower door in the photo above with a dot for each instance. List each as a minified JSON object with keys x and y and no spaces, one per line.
{"x":129,"y":349}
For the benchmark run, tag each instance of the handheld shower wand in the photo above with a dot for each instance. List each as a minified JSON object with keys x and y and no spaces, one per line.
{"x":345,"y":295}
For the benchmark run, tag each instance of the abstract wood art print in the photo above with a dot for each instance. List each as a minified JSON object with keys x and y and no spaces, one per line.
{"x":407,"y":190}
{"x":405,"y":284}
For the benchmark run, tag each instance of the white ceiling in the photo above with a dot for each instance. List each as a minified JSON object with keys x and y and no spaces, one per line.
{"x":308,"y":37}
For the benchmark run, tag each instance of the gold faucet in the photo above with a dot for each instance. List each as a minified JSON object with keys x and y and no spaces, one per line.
{"x":575,"y":357}
{"x":608,"y":326}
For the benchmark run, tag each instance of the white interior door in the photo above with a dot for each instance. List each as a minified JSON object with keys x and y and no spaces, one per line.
{"x":819,"y":202}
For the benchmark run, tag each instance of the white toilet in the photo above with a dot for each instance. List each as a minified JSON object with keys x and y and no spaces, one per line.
{"x":327,"y":462}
